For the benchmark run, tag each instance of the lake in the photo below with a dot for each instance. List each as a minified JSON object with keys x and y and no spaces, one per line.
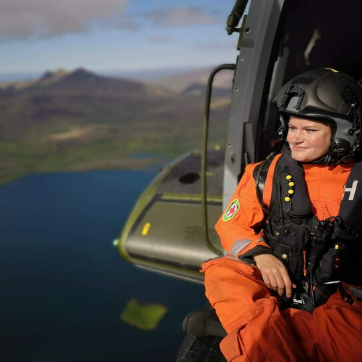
{"x":63,"y":284}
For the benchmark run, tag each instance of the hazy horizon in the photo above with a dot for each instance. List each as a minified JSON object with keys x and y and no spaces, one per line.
{"x":140,"y":74}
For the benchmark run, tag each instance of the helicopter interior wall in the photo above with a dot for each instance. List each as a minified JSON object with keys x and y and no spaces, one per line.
{"x":339,"y":44}
{"x":320,"y":33}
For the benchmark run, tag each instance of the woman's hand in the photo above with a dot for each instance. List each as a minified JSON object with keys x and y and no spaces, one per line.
{"x":274,"y":273}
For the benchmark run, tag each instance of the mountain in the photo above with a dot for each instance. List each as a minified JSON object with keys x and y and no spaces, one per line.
{"x":49,"y":77}
{"x":80,"y":120}
{"x":78,"y":80}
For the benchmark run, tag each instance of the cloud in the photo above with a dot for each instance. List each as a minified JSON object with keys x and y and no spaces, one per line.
{"x":22,"y":19}
{"x":181,"y":16}
{"x":159,"y":39}
{"x":128,"y":25}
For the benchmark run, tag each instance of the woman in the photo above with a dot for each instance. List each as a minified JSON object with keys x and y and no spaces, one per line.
{"x":292,"y":231}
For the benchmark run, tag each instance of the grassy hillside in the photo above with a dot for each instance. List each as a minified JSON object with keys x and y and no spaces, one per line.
{"x":82,"y":121}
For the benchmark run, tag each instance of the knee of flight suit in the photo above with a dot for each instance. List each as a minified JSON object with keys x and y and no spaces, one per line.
{"x":236,"y":291}
{"x":341,"y":319}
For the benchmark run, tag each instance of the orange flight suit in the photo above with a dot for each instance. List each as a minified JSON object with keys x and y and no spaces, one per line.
{"x":249,"y":311}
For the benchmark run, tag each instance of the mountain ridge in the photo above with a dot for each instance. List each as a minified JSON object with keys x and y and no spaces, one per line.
{"x":80,"y":120}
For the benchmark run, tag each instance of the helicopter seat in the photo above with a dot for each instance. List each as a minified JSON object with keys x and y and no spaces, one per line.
{"x":203,"y":323}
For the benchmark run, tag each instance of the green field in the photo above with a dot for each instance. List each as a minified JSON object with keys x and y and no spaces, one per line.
{"x":104,"y":147}
{"x":146,"y":317}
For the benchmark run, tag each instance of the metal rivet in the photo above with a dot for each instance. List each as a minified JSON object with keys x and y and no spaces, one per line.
{"x":247,"y":30}
{"x":242,"y":59}
{"x":284,"y":256}
{"x":277,"y":233}
{"x":236,"y":89}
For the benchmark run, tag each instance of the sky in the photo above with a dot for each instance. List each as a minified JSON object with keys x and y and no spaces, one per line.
{"x":114,"y":35}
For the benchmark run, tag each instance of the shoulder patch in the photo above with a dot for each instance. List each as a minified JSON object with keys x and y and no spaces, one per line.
{"x":232,"y":210}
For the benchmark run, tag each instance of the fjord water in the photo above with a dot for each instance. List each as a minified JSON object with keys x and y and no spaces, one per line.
{"x":63,"y":285}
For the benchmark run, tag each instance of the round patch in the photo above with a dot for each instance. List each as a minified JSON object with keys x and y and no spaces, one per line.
{"x":231,"y":210}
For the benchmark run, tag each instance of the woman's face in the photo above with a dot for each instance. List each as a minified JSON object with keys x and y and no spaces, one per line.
{"x":308,"y":140}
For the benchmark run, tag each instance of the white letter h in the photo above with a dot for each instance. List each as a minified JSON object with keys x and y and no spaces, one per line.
{"x":351,"y":190}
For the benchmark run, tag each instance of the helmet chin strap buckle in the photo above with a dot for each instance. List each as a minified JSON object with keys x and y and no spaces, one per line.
{"x":339,"y":147}
{"x":339,"y":150}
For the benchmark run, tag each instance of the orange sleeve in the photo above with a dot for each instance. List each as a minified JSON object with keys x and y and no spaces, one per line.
{"x":243,"y":214}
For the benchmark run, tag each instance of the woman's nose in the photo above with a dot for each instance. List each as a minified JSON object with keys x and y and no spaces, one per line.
{"x":297,"y":136}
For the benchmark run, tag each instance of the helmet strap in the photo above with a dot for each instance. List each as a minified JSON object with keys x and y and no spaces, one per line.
{"x":283,"y":128}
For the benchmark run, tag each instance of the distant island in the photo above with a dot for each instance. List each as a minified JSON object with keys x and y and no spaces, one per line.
{"x":146,"y":317}
{"x":78,"y":121}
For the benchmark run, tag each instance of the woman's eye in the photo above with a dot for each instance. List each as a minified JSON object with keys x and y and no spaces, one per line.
{"x":311,"y":130}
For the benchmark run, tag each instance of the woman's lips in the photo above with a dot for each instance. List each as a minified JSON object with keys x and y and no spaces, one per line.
{"x":297,"y":148}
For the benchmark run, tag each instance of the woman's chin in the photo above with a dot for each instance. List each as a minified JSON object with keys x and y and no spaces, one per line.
{"x":302,"y":157}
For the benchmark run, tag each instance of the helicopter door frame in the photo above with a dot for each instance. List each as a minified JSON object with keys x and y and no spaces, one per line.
{"x":248,"y":89}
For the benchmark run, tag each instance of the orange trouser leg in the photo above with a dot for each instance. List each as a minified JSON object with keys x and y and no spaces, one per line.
{"x":342,"y":323}
{"x":249,"y":313}
{"x":258,"y":331}
{"x":335,"y":328}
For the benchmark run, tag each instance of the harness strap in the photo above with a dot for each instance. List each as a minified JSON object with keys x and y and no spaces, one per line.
{"x":260,"y":173}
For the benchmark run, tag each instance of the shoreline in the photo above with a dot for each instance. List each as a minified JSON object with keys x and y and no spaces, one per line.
{"x":123,"y":164}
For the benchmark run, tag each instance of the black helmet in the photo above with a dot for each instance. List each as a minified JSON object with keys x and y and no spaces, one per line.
{"x":328,"y":96}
